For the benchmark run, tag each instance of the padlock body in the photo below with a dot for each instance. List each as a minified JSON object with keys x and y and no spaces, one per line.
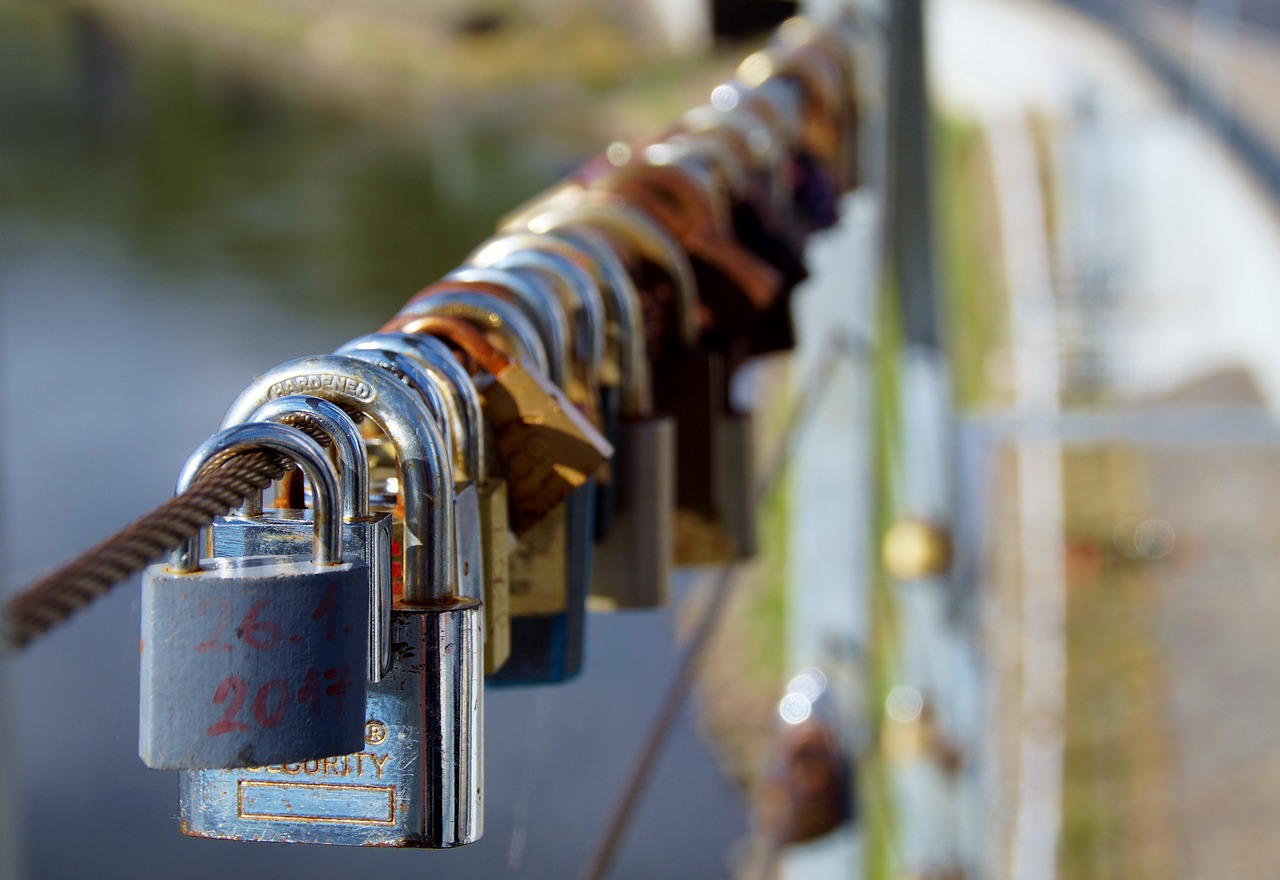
{"x":607,"y":477}
{"x":550,"y":577}
{"x":547,"y":448}
{"x":691,"y":388}
{"x":735,"y":458}
{"x":289,"y":532}
{"x":417,"y":779}
{"x":470,"y":550}
{"x":539,"y":570}
{"x":496,"y":539}
{"x":252,"y":660}
{"x":633,"y":564}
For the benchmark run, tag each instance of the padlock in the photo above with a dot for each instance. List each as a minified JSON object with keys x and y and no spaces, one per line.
{"x":577,"y":294}
{"x":633,"y":563}
{"x":228,"y":645}
{"x":526,"y":291}
{"x":659,"y":267}
{"x":418,"y":780}
{"x":814,"y":184}
{"x":480,"y":503}
{"x":547,"y":645}
{"x":624,"y":322}
{"x":735,"y":482}
{"x":688,"y":382}
{"x":550,"y":566}
{"x":734,"y":285}
{"x":821,"y":61}
{"x":757,"y":222}
{"x":366,"y":536}
{"x":546,"y":447}
{"x":576,"y":276}
{"x":764,"y":152}
{"x":402,"y":356}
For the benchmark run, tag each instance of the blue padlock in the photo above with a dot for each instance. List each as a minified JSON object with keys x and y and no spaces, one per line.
{"x":254,"y":659}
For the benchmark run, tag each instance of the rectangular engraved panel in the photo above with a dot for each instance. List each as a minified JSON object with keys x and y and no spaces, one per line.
{"x":317,"y":802}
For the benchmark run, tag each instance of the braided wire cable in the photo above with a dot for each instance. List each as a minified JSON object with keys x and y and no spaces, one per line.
{"x":54,"y":598}
{"x":223,"y":485}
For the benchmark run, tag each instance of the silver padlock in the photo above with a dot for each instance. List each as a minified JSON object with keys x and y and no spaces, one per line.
{"x":559,"y":654}
{"x":480,"y":504}
{"x":366,"y":536}
{"x":403,"y":359}
{"x":548,"y":588}
{"x":633,"y":563}
{"x":259,"y":658}
{"x":735,"y":464}
{"x":624,"y":318}
{"x":573,"y":286}
{"x":525,"y":292}
{"x":418,"y":781}
{"x":574,"y":275}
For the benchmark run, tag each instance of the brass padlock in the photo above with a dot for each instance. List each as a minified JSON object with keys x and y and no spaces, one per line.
{"x":624,"y":319}
{"x":689,"y":383}
{"x":418,"y":781}
{"x":633,"y":563}
{"x":547,"y":448}
{"x":578,"y":296}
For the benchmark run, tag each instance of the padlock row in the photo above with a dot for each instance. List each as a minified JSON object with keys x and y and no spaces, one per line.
{"x":546,"y":428}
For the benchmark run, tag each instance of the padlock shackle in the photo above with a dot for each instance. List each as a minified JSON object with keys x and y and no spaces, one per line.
{"x":466,"y":422}
{"x":763,"y":144}
{"x":532,"y":295}
{"x":667,"y":194}
{"x":333,"y":421}
{"x":425,"y":471}
{"x":326,"y":546}
{"x":729,"y":162}
{"x":414,"y":374}
{"x":489,"y":313}
{"x":602,"y":212}
{"x":460,"y":334}
{"x":622,"y":305}
{"x":774,"y":102}
{"x":577,"y":287}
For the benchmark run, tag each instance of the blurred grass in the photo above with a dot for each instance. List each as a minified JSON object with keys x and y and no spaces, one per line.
{"x":1116,"y":757}
{"x":876,"y":803}
{"x":974,"y":291}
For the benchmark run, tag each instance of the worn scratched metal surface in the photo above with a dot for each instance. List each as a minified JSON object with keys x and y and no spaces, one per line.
{"x":554,"y":757}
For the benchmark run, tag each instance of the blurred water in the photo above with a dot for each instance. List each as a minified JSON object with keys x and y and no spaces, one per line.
{"x":165,"y":233}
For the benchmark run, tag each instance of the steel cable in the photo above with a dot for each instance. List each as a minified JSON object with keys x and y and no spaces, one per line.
{"x":71,"y":587}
